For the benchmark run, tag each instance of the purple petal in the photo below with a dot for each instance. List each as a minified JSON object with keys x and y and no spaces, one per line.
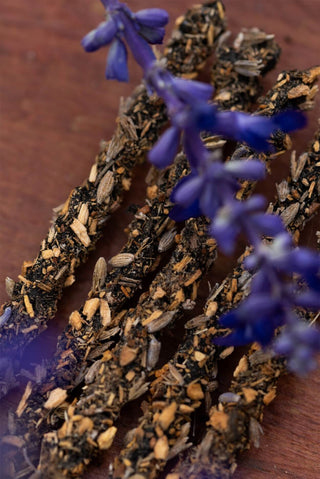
{"x":194,"y":148}
{"x":269,"y":225}
{"x":205,"y":117}
{"x":254,"y":130}
{"x":190,"y":90}
{"x":180,"y":213}
{"x":305,"y":261}
{"x":249,"y":169}
{"x":225,"y":234}
{"x":290,"y":120}
{"x":117,"y":68}
{"x":256,"y":202}
{"x":188,"y":191}
{"x":308,"y":301}
{"x":152,"y":35}
{"x":210,"y":201}
{"x":152,"y":17}
{"x":164,"y":151}
{"x":99,"y":37}
{"x":140,"y":49}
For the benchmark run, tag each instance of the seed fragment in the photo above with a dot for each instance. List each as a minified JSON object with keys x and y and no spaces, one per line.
{"x":121,"y":260}
{"x":105,"y":187}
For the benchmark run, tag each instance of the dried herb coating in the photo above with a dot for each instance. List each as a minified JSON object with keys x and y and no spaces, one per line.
{"x":128,"y":352}
{"x":35,"y":295}
{"x":234,"y":423}
{"x":238,"y":68}
{"x":122,"y":372}
{"x":184,"y":381}
{"x":81,"y":342}
{"x":196,"y":33}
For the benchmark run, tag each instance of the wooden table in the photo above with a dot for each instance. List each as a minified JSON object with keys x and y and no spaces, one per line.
{"x":55,"y":107}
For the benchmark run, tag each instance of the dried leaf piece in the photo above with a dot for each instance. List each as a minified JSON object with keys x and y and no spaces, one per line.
{"x":194,"y":391}
{"x":127,"y":355}
{"x":161,"y":322}
{"x":9,"y":286}
{"x":167,"y":416}
{"x":83,"y":215}
{"x":99,"y":274}
{"x":153,"y":353}
{"x":24,"y":399}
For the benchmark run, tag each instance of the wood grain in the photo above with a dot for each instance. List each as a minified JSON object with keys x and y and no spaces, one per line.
{"x":55,"y":107}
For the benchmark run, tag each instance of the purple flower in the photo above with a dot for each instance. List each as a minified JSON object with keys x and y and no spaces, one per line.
{"x":151,"y":23}
{"x":255,"y":319}
{"x":300,"y":343}
{"x":252,"y":129}
{"x":213,"y":185}
{"x":243,"y":216}
{"x":281,"y":259}
{"x":166,"y":148}
{"x":146,"y":26}
{"x":99,"y":37}
{"x":183,"y":98}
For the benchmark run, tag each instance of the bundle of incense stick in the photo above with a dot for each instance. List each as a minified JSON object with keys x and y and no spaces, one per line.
{"x":120,"y":375}
{"x":181,"y":384}
{"x":107,"y":354}
{"x":122,"y":282}
{"x":80,"y":220}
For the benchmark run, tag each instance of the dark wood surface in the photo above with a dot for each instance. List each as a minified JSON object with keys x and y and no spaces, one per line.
{"x":55,"y":107}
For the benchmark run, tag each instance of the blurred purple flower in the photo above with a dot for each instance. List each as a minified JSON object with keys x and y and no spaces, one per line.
{"x":255,"y":319}
{"x":246,"y":217}
{"x":214,"y":185}
{"x":300,"y":343}
{"x":252,"y":129}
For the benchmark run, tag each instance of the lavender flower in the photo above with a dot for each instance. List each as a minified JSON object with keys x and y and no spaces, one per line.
{"x":138,"y":30}
{"x":255,"y":319}
{"x":247,"y":217}
{"x":190,"y":114}
{"x":214,"y":184}
{"x":274,"y":297}
{"x":300,"y":343}
{"x":253,"y":129}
